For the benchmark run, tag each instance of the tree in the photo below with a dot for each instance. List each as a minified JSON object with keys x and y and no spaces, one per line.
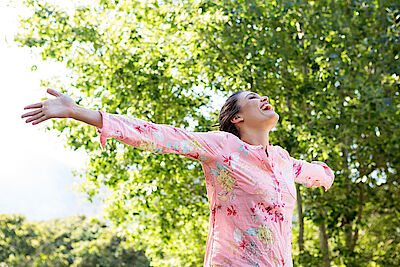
{"x":17,"y":237}
{"x":73,"y":241}
{"x":331,"y":71}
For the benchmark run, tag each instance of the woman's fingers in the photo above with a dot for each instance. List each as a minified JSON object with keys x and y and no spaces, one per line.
{"x":40,"y":120}
{"x":36,"y":105}
{"x":51,"y":108}
{"x":37,"y":116}
{"x":53,"y":92}
{"x":40,"y":104}
{"x":31,"y":113}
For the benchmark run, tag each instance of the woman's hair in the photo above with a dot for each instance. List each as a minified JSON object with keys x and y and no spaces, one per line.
{"x":228,"y":110}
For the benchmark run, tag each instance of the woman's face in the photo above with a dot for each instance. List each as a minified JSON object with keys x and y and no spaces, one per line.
{"x":255,"y":112}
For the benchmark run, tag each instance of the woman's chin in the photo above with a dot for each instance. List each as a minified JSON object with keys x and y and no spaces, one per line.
{"x":273,"y":119}
{"x":272,"y":116}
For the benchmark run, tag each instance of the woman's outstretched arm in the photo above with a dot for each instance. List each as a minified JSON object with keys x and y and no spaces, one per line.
{"x":158,"y":138}
{"x":312,"y":174}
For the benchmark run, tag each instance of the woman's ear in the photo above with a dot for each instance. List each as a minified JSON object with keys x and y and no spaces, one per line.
{"x":237,"y":118}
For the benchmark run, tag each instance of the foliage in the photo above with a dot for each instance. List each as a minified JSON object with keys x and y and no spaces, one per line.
{"x":331,"y":69}
{"x":72,"y":241}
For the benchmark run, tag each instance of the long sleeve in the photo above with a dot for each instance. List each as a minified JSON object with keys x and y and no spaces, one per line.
{"x":312,"y":174}
{"x":159,"y":138}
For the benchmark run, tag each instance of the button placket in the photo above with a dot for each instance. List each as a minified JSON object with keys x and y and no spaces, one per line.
{"x":268,"y":164}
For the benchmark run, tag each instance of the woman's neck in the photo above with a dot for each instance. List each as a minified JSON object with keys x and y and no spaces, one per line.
{"x":255,"y":138}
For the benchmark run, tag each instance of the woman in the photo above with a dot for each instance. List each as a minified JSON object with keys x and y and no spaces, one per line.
{"x":250,"y":183}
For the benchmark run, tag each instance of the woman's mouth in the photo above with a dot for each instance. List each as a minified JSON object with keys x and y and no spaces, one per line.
{"x":266,"y":106}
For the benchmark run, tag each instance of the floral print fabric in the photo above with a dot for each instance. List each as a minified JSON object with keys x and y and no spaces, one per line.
{"x":251,"y":192}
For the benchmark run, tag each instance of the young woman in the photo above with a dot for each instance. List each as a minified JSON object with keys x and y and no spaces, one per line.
{"x":250,"y":182}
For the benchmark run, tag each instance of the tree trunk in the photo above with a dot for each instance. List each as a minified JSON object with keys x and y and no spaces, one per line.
{"x":300,"y":238}
{"x":323,"y":241}
{"x":347,"y":218}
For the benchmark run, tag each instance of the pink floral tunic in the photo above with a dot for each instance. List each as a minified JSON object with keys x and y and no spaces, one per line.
{"x":251,"y":192}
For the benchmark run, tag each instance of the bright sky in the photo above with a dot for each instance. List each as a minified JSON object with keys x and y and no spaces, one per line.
{"x":36,"y":178}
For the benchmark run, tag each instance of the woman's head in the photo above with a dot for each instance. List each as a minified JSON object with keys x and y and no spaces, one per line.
{"x":243,"y":110}
{"x":228,"y":111}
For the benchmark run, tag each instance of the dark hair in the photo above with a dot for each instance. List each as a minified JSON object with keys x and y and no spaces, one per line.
{"x":228,"y":110}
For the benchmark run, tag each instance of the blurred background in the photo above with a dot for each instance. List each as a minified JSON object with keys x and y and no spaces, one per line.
{"x":330,"y":68}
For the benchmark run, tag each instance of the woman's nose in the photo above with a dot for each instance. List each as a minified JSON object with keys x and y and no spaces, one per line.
{"x":264,"y":99}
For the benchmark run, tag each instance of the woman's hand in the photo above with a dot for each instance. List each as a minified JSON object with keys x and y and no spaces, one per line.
{"x":60,"y":107}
